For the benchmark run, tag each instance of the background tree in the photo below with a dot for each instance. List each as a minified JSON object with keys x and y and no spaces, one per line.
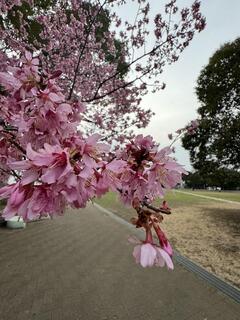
{"x":227,"y":179}
{"x":216,"y":142}
{"x":194,"y":180}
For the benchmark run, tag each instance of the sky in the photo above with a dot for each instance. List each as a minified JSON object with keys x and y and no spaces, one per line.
{"x":176,"y":105}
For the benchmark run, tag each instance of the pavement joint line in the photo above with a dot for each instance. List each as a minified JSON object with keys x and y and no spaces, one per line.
{"x":208,"y":197}
{"x":213,"y":280}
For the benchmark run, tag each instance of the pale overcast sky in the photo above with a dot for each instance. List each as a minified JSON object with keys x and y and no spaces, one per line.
{"x":176,"y":105}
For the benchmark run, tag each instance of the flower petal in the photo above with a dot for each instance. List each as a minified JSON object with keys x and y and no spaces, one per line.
{"x":148,"y":255}
{"x":166,"y":257}
{"x":137,"y":253}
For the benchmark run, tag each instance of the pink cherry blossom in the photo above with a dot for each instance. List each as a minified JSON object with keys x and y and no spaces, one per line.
{"x":108,"y":177}
{"x":150,"y":171}
{"x":148,"y":254}
{"x":145,"y":254}
{"x":17,"y":196}
{"x":51,"y":163}
{"x":69,"y":101}
{"x":98,"y":79}
{"x":91,"y":148}
{"x":9,"y":82}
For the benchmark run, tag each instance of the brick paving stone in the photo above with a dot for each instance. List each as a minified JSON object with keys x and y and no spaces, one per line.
{"x":80,"y":267}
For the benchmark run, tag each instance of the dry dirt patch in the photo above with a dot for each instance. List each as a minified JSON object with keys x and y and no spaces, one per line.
{"x":208,"y":234}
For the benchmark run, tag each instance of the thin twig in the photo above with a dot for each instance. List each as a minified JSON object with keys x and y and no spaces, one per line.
{"x":118,"y":88}
{"x":12,"y":172}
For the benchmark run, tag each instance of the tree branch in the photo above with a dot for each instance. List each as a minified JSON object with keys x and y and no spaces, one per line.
{"x":118,"y":88}
{"x":119,"y":71}
{"x":145,"y":204}
{"x":12,"y":172}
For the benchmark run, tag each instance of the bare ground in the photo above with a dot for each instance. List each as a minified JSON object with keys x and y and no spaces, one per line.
{"x":209,"y":234}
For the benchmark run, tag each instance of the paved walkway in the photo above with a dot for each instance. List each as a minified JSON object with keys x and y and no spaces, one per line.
{"x":79,"y":267}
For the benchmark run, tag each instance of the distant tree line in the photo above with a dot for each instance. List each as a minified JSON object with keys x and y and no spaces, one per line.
{"x":227,"y":179}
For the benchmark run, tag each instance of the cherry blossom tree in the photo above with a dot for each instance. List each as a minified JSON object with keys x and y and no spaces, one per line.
{"x":71,"y":81}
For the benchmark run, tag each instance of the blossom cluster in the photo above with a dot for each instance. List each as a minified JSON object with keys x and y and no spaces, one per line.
{"x":35,"y":101}
{"x":150,"y":171}
{"x":44,"y":124}
{"x":148,"y":253}
{"x":105,"y":61}
{"x":55,"y":165}
{"x":57,"y":56}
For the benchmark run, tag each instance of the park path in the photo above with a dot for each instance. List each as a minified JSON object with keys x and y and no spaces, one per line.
{"x":208,"y":197}
{"x":79,"y":266}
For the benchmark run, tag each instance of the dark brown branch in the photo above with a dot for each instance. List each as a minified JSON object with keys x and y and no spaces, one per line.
{"x":149,"y":206}
{"x":6,"y":126}
{"x":119,"y":71}
{"x":12,"y":172}
{"x":118,"y":88}
{"x":17,"y":146}
{"x":15,"y":174}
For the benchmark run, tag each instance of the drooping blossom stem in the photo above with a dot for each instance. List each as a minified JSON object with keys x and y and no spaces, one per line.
{"x":149,"y":238}
{"x":163,"y":241}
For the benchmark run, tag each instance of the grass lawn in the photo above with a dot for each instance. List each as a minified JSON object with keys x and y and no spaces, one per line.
{"x":226,"y":195}
{"x":174,"y":199}
{"x":110,"y":201}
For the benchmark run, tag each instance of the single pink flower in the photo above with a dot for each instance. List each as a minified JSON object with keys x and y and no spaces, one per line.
{"x":145,"y":254}
{"x":148,"y":254}
{"x":16,"y":194}
{"x":51,"y":164}
{"x":108,"y":177}
{"x":91,"y":149}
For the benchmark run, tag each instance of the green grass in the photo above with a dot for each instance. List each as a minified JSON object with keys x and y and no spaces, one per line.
{"x":174,"y":199}
{"x":111,"y":202}
{"x":226,"y":195}
{"x":177,"y":199}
